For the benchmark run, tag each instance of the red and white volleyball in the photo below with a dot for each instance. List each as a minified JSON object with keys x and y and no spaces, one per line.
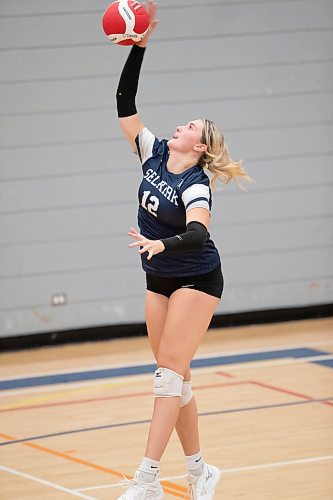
{"x":125,"y":22}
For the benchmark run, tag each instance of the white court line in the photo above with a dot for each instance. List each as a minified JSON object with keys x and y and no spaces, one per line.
{"x":152,"y":361}
{"x":75,"y":493}
{"x":231,"y":470}
{"x":137,"y":378}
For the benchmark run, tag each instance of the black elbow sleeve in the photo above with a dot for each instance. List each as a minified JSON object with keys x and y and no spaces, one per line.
{"x":194,"y":239}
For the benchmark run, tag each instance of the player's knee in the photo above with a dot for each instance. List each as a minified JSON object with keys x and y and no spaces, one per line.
{"x":187,"y":393}
{"x":167,"y":383}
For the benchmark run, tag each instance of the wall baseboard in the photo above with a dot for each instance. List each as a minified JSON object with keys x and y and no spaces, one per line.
{"x":139,"y":329}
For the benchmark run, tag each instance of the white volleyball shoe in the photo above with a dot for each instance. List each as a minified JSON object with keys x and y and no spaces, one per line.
{"x":203,"y":487}
{"x":139,"y":489}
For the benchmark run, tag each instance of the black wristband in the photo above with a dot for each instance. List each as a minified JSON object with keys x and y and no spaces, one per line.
{"x":128,"y":83}
{"x":194,"y":239}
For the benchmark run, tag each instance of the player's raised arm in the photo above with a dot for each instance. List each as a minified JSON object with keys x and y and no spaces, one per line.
{"x":129,"y":118}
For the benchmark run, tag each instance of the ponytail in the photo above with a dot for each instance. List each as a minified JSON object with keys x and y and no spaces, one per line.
{"x":217,"y":159}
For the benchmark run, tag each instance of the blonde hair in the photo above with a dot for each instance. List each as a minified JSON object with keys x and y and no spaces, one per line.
{"x":217,"y":159}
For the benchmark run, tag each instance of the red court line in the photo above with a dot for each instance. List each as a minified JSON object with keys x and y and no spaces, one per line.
{"x":77,"y":401}
{"x":179,"y":492}
{"x":283,"y":390}
{"x":106,"y":398}
{"x":286,"y":391}
{"x":225,"y":384}
{"x":225,"y":374}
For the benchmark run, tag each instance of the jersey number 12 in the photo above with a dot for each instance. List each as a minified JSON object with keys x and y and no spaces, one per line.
{"x":151,"y":207}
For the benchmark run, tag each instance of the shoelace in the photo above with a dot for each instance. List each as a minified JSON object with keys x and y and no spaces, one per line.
{"x":127,"y":482}
{"x":193,"y":489}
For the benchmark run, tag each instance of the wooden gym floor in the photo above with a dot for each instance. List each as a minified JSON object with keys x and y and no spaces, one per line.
{"x":75,"y":417}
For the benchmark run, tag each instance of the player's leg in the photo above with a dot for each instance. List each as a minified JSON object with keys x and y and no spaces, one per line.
{"x":156,"y":311}
{"x":187,"y":423}
{"x":188,"y":316}
{"x":160,"y":322}
{"x":146,"y":476}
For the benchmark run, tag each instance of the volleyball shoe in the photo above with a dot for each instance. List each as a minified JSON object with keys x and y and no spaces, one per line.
{"x":203,"y":487}
{"x":138,"y":489}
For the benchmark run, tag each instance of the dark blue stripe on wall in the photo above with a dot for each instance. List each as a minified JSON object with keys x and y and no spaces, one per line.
{"x":142,"y":369}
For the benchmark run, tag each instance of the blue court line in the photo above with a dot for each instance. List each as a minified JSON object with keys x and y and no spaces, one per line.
{"x":124,"y":371}
{"x":147,"y":421}
{"x":325,"y":362}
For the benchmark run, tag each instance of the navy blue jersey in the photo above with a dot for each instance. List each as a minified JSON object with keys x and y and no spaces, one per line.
{"x":164,"y":198}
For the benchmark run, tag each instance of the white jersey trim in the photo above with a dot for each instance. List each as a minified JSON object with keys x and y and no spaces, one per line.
{"x":146,"y":140}
{"x":195,"y":196}
{"x":199,"y":204}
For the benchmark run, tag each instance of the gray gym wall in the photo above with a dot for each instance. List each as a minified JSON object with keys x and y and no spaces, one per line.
{"x":261,"y":69}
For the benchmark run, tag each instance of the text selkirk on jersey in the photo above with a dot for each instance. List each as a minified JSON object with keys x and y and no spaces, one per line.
{"x":164,"y":198}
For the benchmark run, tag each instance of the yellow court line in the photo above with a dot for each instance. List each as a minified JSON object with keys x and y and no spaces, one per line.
{"x":123,"y":380}
{"x":61,"y":394}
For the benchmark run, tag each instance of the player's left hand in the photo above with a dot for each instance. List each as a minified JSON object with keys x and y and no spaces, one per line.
{"x":153,"y":247}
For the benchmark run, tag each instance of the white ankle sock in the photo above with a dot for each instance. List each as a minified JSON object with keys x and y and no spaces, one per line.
{"x":149,"y":469}
{"x":195,"y":464}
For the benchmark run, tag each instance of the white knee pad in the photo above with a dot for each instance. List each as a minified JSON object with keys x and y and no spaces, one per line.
{"x":167,"y":383}
{"x":187,"y":393}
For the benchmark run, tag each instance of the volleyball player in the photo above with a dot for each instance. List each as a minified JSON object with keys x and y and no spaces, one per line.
{"x":183,"y":271}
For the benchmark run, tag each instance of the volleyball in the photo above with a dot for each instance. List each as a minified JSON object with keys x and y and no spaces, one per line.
{"x":125,"y":22}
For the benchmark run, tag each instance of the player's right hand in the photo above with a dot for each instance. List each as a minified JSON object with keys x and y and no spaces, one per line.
{"x":153,"y":247}
{"x":151,"y":8}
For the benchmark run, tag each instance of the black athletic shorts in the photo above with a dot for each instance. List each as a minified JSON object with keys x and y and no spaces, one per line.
{"x":211,"y":283}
